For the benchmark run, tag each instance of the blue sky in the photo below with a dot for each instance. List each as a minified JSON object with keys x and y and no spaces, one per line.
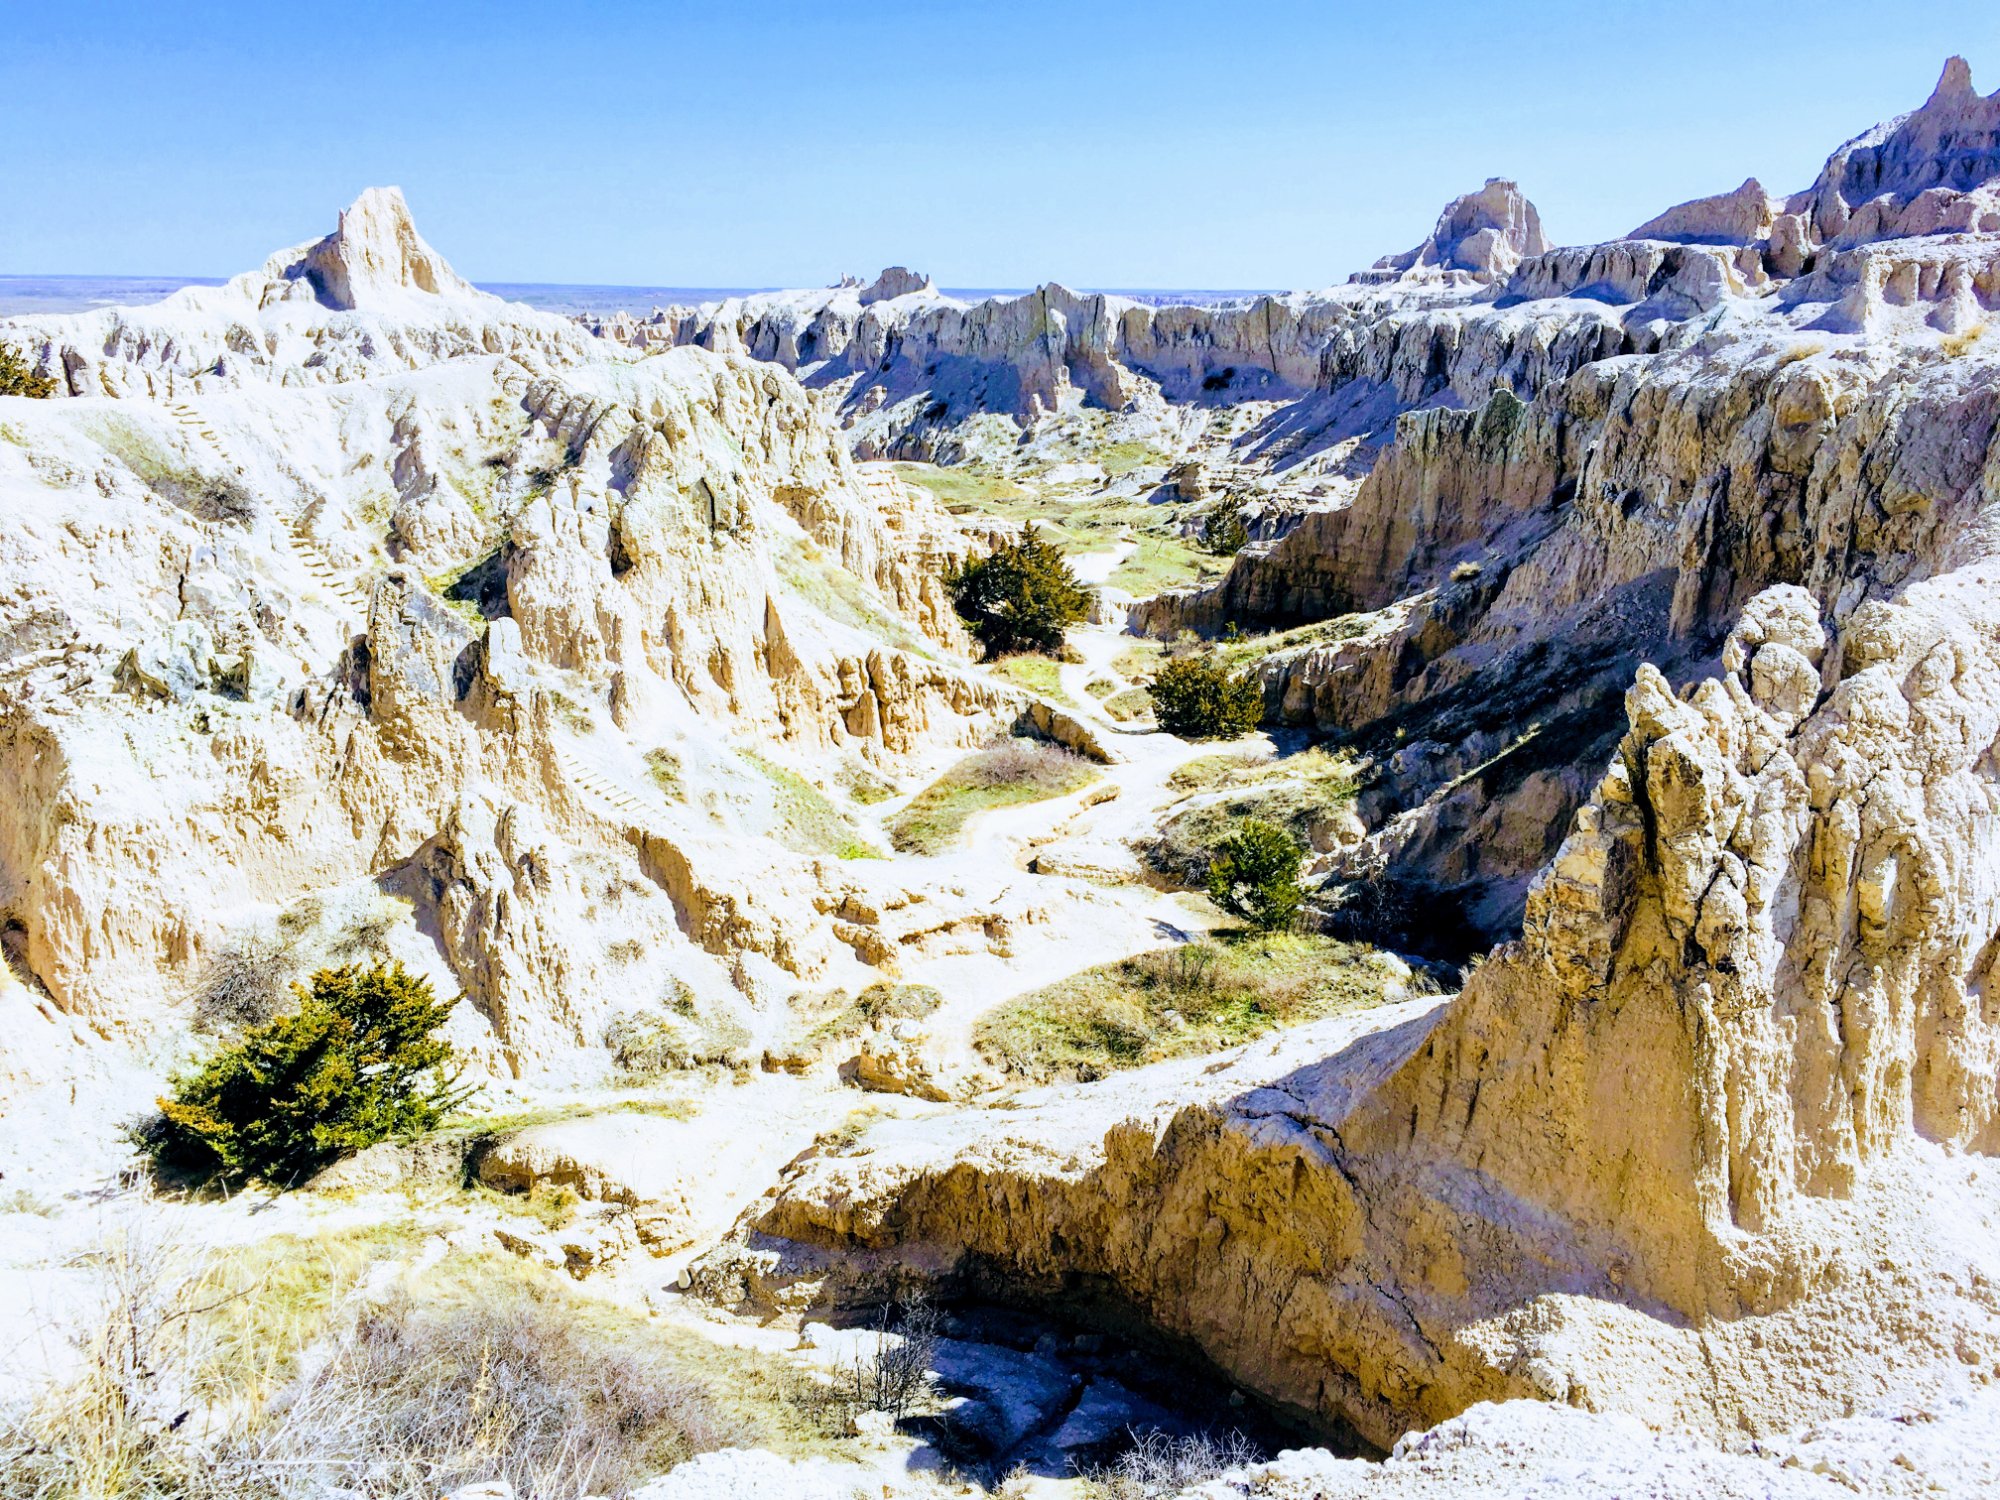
{"x":1265,"y":143}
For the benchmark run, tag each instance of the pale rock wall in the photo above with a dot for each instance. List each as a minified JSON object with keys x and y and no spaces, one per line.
{"x":1661,"y":1149}
{"x":252,"y":706}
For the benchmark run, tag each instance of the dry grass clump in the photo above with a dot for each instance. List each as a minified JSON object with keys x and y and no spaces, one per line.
{"x":269,"y":1376}
{"x":173,"y":1362}
{"x":1158,"y":1465}
{"x":1182,"y":1001}
{"x":510,"y":1381}
{"x":664,"y":767}
{"x":864,"y":786}
{"x":1010,"y":773}
{"x":1956,"y":345}
{"x":890,"y":1373}
{"x":249,"y":980}
{"x":1129,"y":704}
{"x":880,"y":1002}
{"x":671,"y":1037}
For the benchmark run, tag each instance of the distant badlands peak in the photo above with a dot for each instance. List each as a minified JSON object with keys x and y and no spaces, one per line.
{"x":895,"y":281}
{"x":374,"y":256}
{"x":1484,"y":235}
{"x":1955,"y":81}
{"x":1935,"y":170}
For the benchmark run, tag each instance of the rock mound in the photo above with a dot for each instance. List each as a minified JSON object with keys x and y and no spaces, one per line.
{"x":375,"y":257}
{"x":1483,"y":235}
{"x":896,"y":281}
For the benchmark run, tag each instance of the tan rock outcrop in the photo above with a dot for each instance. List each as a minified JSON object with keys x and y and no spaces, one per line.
{"x":1670,"y":1118}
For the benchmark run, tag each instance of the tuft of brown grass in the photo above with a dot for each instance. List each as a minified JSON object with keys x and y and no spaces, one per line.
{"x":1957,"y":345}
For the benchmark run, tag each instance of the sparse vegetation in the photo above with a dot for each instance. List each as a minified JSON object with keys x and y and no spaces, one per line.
{"x":1132,"y":703}
{"x":1301,"y":793}
{"x":883,"y":1001}
{"x":1955,"y":345}
{"x":664,"y":767}
{"x":864,"y":786}
{"x":806,"y":820}
{"x":963,"y":484}
{"x":650,"y":1043}
{"x":1158,"y":1464}
{"x":1197,"y":699}
{"x":1040,"y":675}
{"x":1182,"y":1001}
{"x":356,"y":1063}
{"x":892,"y":1373}
{"x":1013,"y":772}
{"x":1255,"y":875}
{"x":1020,"y":598}
{"x":19,"y":378}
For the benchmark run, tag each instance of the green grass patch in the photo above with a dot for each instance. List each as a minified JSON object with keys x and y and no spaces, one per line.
{"x":1132,"y":704}
{"x":964,"y":484}
{"x":1040,"y":675}
{"x":807,"y":821}
{"x":1163,"y":562}
{"x":474,"y":1126}
{"x":1007,"y":775}
{"x":1123,"y":458}
{"x":1294,"y":791}
{"x":1184,"y":1001}
{"x":1140,"y":660}
{"x":1247,"y":651}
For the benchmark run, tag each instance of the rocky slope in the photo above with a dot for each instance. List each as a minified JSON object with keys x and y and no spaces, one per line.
{"x":459,"y":629}
{"x":1708,"y":1142}
{"x":351,"y":613}
{"x":1591,"y":456}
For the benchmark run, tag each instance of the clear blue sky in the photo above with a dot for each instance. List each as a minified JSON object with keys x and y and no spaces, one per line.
{"x":755,"y":142}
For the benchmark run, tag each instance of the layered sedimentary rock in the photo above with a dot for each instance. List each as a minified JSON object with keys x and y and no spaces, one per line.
{"x":1748,"y":404}
{"x":1661,"y":1155}
{"x":436,"y":621}
{"x":1696,"y":629}
{"x":1482,"y":236}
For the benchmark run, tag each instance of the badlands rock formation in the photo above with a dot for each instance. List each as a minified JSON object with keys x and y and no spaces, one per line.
{"x":368,"y":299}
{"x":395,"y":591}
{"x":1595,"y":455}
{"x":1710,"y":1141}
{"x":350,"y":612}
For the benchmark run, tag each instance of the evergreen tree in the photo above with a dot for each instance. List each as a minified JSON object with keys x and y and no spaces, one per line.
{"x":355,"y":1064}
{"x":19,"y":378}
{"x":1198,"y":700}
{"x":1254,"y":875}
{"x":1021,"y":598}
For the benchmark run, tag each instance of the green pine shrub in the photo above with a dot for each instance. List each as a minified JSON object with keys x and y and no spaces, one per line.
{"x":1255,"y":875}
{"x":1223,"y":530}
{"x":1197,"y":699}
{"x":1021,"y":598}
{"x":19,"y":378}
{"x":356,"y":1063}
